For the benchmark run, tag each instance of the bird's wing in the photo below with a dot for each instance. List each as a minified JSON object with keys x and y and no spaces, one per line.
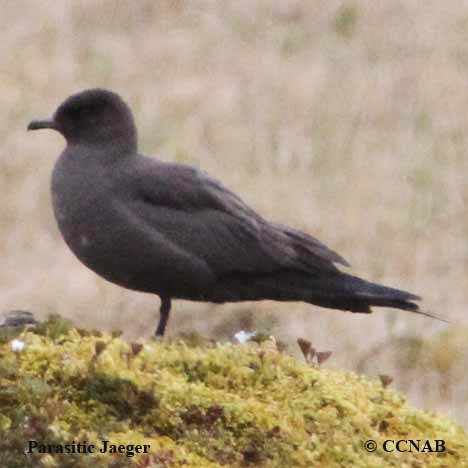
{"x":208,"y":221}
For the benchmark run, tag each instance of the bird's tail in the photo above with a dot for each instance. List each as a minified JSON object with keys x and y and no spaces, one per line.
{"x":347,"y":292}
{"x":331,"y":289}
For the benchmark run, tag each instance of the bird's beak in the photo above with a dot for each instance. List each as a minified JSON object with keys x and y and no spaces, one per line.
{"x":38,"y":124}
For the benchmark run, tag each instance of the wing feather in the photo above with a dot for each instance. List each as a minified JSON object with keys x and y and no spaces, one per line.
{"x":201,"y":216}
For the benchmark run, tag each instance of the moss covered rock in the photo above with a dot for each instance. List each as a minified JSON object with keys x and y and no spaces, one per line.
{"x":199,"y":406}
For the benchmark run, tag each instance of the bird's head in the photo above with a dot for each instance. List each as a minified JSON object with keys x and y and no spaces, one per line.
{"x":93,"y":117}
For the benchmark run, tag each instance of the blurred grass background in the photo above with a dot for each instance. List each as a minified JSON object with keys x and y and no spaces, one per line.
{"x":344,"y":119}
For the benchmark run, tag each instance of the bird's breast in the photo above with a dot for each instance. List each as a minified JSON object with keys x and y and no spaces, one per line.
{"x":83,"y":208}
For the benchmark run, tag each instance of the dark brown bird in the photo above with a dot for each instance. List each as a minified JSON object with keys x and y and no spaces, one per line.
{"x":171,"y":230}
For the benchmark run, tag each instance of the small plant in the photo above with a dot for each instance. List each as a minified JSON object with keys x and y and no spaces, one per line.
{"x":346,"y":20}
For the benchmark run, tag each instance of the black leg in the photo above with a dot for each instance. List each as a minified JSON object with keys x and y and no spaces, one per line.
{"x":163,"y":315}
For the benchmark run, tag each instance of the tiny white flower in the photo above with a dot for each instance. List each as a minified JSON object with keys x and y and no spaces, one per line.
{"x":243,"y":336}
{"x":17,"y":346}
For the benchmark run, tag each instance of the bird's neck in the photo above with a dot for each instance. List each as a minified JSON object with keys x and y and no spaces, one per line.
{"x":110,"y":139}
{"x":102,"y":152}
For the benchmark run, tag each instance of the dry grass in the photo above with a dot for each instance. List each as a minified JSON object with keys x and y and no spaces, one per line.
{"x":347,"y":120}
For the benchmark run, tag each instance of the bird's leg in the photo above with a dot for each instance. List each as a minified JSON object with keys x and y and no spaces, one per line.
{"x":163,"y":315}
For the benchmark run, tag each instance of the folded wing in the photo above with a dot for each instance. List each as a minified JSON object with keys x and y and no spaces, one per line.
{"x":205,"y":219}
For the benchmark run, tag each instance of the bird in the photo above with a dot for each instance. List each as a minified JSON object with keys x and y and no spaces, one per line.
{"x":172,"y":230}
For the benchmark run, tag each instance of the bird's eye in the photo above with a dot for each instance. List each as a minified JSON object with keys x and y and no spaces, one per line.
{"x":83,"y":114}
{"x":73,"y":113}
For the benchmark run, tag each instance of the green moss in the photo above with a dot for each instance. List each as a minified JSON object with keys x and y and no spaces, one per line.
{"x":208,"y":406}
